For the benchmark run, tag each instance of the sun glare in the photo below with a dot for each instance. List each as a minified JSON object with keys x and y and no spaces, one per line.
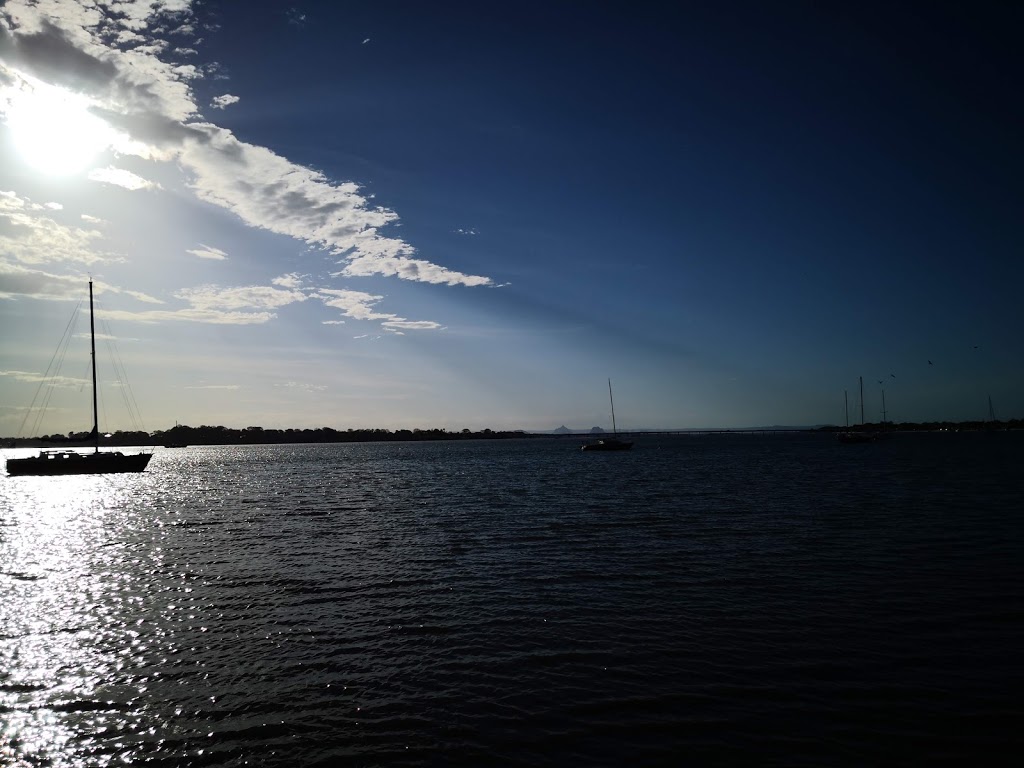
{"x":54,"y":131}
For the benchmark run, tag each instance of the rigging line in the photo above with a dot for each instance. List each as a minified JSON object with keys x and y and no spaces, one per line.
{"x":48,"y":375}
{"x":51,"y":383}
{"x":127,"y":394}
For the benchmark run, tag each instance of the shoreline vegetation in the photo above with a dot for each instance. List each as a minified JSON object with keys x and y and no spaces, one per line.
{"x":219,"y":435}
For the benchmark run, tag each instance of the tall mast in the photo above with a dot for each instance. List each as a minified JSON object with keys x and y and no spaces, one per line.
{"x":860,"y":379}
{"x":92,"y":342}
{"x":846,"y":404}
{"x":612,"y":401}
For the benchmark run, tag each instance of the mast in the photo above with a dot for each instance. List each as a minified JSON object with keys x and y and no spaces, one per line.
{"x":860,"y":379}
{"x":612,"y":401}
{"x":92,"y":342}
{"x":846,"y":404}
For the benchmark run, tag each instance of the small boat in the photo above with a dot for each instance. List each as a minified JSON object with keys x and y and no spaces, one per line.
{"x":609,"y":443}
{"x":65,"y":462}
{"x":861,"y":435}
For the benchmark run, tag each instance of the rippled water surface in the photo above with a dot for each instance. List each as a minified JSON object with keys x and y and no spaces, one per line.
{"x":710,"y":600}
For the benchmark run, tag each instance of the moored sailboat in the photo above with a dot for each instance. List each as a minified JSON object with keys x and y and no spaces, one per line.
{"x":67,"y":462}
{"x":861,"y":435}
{"x":609,"y":443}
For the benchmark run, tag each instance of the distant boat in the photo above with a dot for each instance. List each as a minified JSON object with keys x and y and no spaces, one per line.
{"x":175,"y":444}
{"x":861,"y":435}
{"x":66,"y":462}
{"x":609,"y":443}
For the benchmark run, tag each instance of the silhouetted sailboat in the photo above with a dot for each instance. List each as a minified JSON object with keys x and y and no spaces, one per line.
{"x":65,"y":462}
{"x":860,"y":436}
{"x":609,"y":443}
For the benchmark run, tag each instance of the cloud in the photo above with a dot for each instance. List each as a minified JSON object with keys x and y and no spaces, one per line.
{"x":291,"y":280}
{"x":304,"y":387}
{"x":29,"y":235}
{"x":209,"y":297}
{"x":269,"y":192}
{"x":360,"y":306}
{"x":208,"y":252}
{"x":53,"y":381}
{"x":17,"y":281}
{"x":332,"y":322}
{"x":214,"y":386}
{"x":211,"y":316}
{"x":469,"y":231}
{"x":246,"y":305}
{"x":121,"y":178}
{"x":226,"y":100}
{"x":366,"y":41}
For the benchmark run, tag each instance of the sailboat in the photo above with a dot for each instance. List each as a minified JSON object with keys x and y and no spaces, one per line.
{"x":65,"y":462}
{"x":609,"y":443}
{"x":859,"y":436}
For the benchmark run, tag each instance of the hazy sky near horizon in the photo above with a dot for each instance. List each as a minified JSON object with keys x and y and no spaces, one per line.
{"x":458,"y":215}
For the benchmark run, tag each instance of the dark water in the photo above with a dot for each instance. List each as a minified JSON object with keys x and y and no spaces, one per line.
{"x":710,"y":600}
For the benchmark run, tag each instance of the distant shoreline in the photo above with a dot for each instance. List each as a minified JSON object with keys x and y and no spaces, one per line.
{"x":206,"y":435}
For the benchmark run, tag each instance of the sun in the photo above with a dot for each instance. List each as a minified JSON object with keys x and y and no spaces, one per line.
{"x":54,"y":131}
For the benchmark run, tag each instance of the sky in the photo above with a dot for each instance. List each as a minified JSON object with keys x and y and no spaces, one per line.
{"x":463,"y":215}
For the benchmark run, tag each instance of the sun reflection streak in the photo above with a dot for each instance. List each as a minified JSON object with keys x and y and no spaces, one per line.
{"x":62,"y":634}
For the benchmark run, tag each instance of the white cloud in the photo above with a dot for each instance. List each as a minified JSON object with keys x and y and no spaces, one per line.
{"x":269,"y":192}
{"x":30,"y":236}
{"x":212,"y":316}
{"x":121,"y":178}
{"x":226,"y":100}
{"x":53,"y":206}
{"x":360,"y":306}
{"x":208,"y":252}
{"x":302,"y":386}
{"x":54,"y":381}
{"x":213,"y":297}
{"x":17,"y":281}
{"x":291,"y":280}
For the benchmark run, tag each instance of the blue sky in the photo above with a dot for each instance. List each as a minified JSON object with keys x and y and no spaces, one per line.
{"x":456,"y":215}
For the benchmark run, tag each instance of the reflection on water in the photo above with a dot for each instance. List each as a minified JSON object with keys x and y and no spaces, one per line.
{"x":779,"y":599}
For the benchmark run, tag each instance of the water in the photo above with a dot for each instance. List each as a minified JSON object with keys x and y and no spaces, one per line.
{"x":769,"y":600}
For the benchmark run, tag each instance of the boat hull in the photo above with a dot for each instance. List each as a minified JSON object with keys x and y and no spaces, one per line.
{"x":608,"y":445}
{"x":71,"y":463}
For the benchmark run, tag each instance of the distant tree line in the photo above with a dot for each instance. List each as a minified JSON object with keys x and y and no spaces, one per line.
{"x":930,"y":426}
{"x":219,"y":435}
{"x":208,"y":435}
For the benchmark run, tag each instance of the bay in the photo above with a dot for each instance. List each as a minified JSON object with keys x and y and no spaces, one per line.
{"x":718,"y":599}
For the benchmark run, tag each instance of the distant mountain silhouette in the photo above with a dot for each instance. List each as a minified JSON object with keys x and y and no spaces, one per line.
{"x":596,"y":431}
{"x":562,"y":430}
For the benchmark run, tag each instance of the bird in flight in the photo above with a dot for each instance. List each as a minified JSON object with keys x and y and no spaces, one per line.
{"x":929,"y":362}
